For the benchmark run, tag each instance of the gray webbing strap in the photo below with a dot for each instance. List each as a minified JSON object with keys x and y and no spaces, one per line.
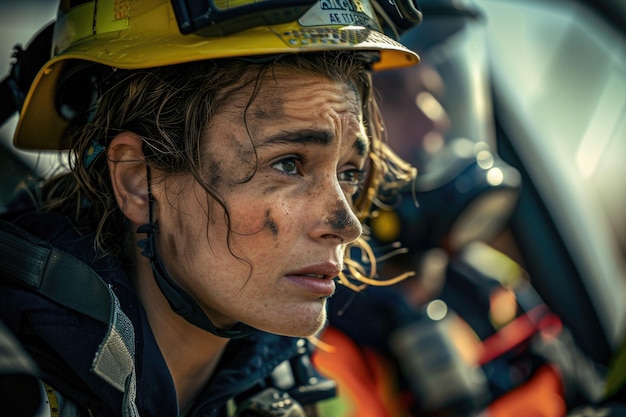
{"x":63,"y":278}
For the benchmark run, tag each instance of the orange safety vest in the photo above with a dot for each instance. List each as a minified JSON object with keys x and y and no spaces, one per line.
{"x":366,"y":381}
{"x":367,"y":385}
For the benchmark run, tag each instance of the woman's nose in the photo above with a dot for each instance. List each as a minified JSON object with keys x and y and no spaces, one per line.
{"x":338,"y":221}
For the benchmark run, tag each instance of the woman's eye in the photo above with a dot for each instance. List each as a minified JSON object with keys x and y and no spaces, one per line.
{"x":287,"y":165}
{"x":353,"y":177}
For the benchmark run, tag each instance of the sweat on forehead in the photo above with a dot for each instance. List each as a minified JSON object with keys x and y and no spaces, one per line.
{"x":304,"y":94}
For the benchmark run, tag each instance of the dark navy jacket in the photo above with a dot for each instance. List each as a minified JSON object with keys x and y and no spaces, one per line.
{"x":64,"y":342}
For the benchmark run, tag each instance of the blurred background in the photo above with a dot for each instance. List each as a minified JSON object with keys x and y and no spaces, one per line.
{"x":559,"y":79}
{"x":542,"y":87}
{"x":19,"y":22}
{"x":516,"y":122}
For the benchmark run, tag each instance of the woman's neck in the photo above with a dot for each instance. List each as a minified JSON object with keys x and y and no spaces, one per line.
{"x":191,"y":354}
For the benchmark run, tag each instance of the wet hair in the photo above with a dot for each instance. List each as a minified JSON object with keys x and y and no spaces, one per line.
{"x":170,"y":108}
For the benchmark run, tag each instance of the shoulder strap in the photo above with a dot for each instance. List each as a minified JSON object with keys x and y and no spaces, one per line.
{"x":61,"y":277}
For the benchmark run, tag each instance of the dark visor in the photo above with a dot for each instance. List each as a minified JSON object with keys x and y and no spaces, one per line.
{"x":223,"y":17}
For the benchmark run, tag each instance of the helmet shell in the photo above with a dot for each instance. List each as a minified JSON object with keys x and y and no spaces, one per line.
{"x":135,"y":34}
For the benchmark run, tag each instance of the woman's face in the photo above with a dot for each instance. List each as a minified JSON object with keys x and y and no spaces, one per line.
{"x":302,"y":145}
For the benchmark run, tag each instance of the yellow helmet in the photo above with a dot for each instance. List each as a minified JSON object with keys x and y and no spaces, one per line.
{"x":135,"y":34}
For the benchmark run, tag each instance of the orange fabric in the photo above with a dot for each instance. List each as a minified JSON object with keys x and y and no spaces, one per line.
{"x":386,"y":379}
{"x":541,"y":396}
{"x":367,"y":386}
{"x":364,"y":381}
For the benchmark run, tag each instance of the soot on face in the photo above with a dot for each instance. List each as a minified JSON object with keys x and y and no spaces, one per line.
{"x":270,"y":223}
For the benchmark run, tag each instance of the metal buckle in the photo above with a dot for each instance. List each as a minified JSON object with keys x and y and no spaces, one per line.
{"x":270,"y":403}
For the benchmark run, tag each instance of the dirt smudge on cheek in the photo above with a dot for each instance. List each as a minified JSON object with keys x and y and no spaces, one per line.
{"x":270,"y":190}
{"x":270,"y":224}
{"x":214,"y":174}
{"x":228,"y":160}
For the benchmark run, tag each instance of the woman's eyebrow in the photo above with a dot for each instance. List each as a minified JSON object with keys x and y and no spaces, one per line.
{"x":302,"y":136}
{"x":313,"y":137}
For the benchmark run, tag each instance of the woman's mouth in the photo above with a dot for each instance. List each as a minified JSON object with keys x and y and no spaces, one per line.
{"x":319,"y":285}
{"x":317,"y":280}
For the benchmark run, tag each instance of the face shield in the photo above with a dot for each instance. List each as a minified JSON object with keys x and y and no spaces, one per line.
{"x":220,"y":18}
{"x":439,"y":118}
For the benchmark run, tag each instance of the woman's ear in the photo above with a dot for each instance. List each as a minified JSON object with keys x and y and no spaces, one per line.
{"x":127,"y":166}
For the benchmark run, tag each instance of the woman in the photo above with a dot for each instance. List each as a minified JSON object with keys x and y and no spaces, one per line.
{"x":215,"y":183}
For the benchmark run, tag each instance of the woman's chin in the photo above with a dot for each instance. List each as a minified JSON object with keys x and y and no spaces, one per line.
{"x":298,"y":325}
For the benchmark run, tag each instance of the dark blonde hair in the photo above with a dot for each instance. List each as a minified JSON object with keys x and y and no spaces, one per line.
{"x":170,"y":107}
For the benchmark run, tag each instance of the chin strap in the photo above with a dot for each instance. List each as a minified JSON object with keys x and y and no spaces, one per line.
{"x":180,"y":301}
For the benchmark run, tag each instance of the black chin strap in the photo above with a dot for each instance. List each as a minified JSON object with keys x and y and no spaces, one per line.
{"x":180,"y":301}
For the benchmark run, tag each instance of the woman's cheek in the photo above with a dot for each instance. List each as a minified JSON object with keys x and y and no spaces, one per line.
{"x":263,"y":220}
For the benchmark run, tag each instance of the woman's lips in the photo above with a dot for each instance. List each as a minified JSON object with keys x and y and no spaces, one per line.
{"x":321,"y":285}
{"x":317,"y":279}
